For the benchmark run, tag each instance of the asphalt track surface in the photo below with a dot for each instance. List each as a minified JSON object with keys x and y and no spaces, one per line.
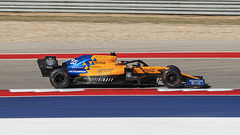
{"x":219,"y":73}
{"x":120,"y":46}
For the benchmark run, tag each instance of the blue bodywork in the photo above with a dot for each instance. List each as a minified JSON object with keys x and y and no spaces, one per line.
{"x":80,"y":65}
{"x":196,"y":82}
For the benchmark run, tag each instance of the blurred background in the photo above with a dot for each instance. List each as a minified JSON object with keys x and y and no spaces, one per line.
{"x":77,"y":26}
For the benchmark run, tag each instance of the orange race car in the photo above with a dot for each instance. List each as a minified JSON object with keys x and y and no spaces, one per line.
{"x":103,"y":70}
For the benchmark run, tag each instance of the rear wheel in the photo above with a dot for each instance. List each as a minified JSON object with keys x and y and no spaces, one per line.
{"x":59,"y":78}
{"x":172,"y":78}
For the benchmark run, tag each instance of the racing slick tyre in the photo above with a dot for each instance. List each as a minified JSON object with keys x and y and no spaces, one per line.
{"x":172,"y":79}
{"x":173,"y":67}
{"x":59,"y":78}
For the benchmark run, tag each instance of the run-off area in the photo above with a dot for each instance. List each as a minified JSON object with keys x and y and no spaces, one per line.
{"x":120,"y":126}
{"x":219,"y":73}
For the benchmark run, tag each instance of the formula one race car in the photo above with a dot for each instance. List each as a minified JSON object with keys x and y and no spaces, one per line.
{"x":103,"y":70}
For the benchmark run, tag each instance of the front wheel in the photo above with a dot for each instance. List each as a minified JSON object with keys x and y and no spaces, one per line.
{"x":173,"y":67}
{"x":59,"y":78}
{"x":172,"y":79}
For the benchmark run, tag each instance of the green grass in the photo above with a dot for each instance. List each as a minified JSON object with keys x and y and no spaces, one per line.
{"x":121,"y":19}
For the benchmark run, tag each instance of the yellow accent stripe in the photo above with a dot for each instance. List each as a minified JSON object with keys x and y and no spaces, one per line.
{"x":190,"y":76}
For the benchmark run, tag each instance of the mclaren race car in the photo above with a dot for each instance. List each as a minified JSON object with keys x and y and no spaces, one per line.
{"x":103,"y":70}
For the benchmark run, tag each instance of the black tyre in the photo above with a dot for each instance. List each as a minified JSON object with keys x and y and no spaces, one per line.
{"x":172,"y":79}
{"x":173,"y":67}
{"x":59,"y":78}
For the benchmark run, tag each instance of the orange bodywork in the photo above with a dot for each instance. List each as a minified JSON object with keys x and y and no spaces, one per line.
{"x":106,"y":65}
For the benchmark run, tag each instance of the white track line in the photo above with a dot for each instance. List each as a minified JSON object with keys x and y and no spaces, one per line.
{"x":166,"y":90}
{"x":45,"y":90}
{"x":71,"y":90}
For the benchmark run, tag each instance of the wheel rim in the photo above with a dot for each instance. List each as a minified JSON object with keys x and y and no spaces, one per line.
{"x":171,"y":78}
{"x":59,"y":78}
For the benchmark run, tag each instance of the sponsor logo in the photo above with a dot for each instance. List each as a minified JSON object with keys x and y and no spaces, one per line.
{"x":73,"y":62}
{"x":50,"y":61}
{"x":195,"y":82}
{"x":99,"y":62}
{"x":95,"y":66}
{"x":104,"y":71}
{"x":149,"y":70}
{"x":78,"y":67}
{"x":77,"y":71}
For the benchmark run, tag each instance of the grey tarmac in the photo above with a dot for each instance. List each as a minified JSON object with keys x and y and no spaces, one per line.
{"x":121,"y":46}
{"x":219,"y":73}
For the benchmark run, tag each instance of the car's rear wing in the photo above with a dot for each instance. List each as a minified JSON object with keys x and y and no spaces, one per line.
{"x":47,"y":65}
